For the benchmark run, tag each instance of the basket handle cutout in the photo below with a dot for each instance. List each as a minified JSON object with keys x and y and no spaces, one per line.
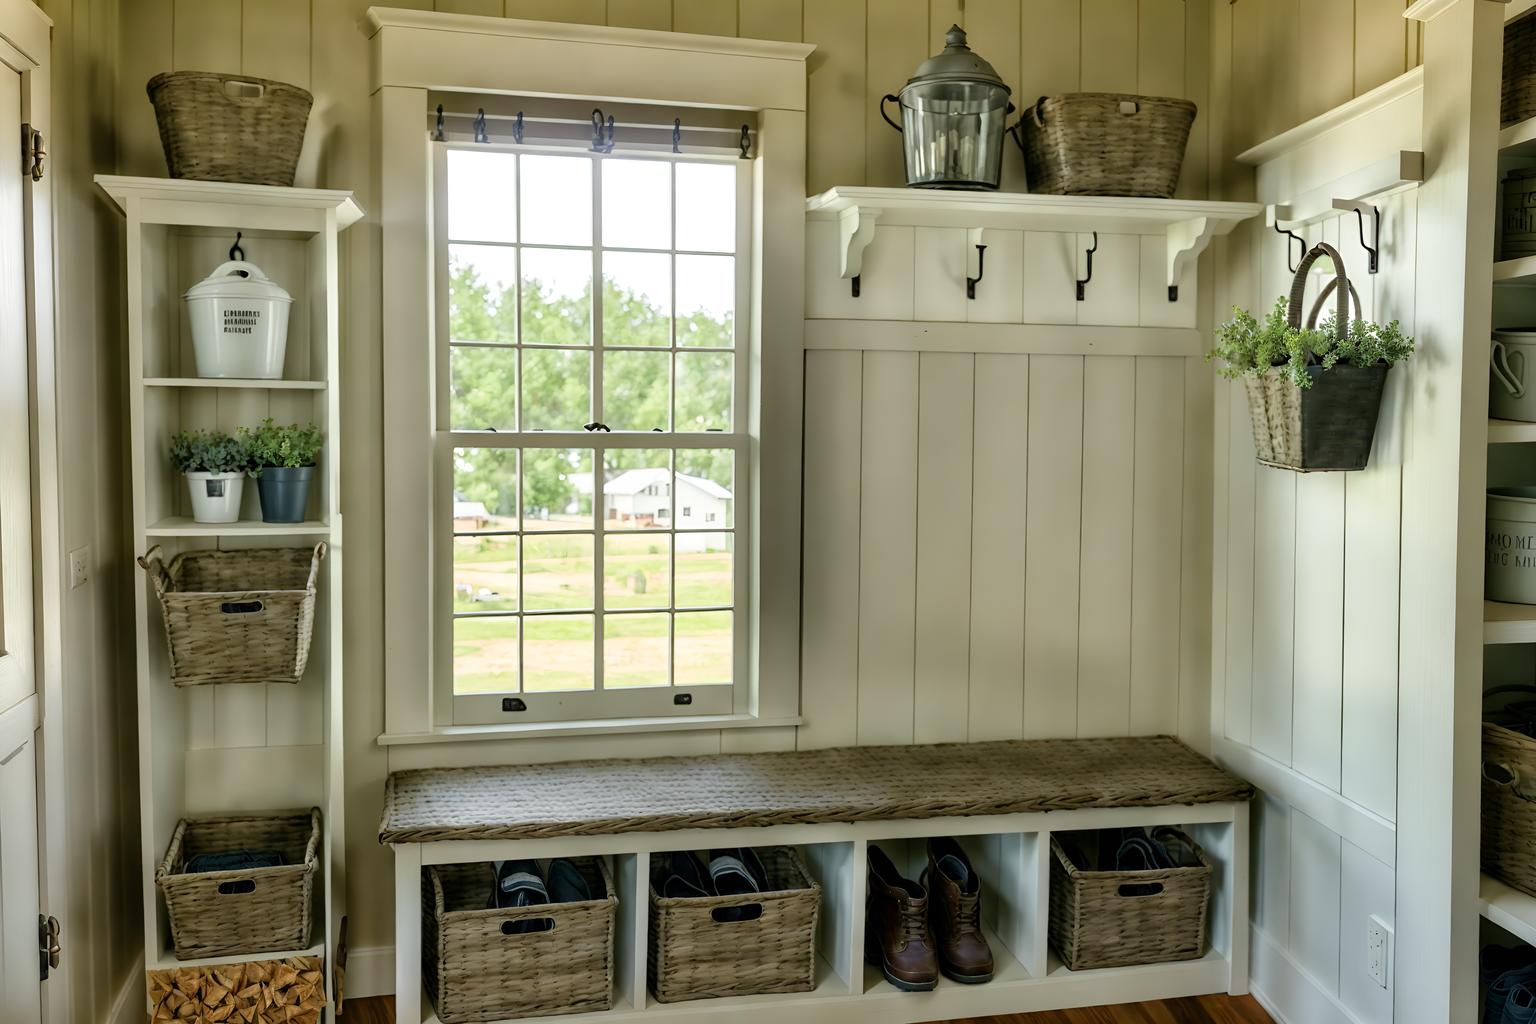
{"x":526,"y":925}
{"x":1500,"y":774}
{"x":241,"y":607}
{"x":236,"y":89}
{"x":241,"y":887}
{"x":1133,"y":890}
{"x":730,"y":915}
{"x":1129,"y":107}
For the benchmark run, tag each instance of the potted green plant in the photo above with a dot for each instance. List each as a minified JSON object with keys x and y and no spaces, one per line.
{"x":283,"y":463}
{"x":215,"y":465}
{"x":1314,"y":392}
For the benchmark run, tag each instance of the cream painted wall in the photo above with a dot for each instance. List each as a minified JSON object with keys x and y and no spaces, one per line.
{"x":101,"y":919}
{"x":1306,"y":625}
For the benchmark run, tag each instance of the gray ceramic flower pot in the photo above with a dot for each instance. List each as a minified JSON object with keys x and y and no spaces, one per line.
{"x":284,"y":493}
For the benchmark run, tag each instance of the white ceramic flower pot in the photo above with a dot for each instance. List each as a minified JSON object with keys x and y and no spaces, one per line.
{"x":1510,"y":572}
{"x":216,"y":496}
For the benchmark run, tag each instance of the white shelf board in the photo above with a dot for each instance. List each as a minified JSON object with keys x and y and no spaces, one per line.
{"x":184,"y":526}
{"x":1521,"y":271}
{"x":167,"y":959}
{"x":234,"y":382}
{"x":119,"y":188}
{"x":1508,"y":908}
{"x":1511,"y":432}
{"x":1509,"y":623}
{"x":1519,"y":139}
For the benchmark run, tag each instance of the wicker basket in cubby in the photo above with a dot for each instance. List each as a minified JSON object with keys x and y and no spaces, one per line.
{"x":249,"y":910}
{"x":1106,"y":918}
{"x":478,"y":966}
{"x":694,"y":955}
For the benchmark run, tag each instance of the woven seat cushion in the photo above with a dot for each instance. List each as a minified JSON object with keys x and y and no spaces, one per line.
{"x":847,"y":784}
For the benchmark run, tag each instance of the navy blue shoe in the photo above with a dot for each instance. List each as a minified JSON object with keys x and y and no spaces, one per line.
{"x":684,"y":878}
{"x":737,"y":872}
{"x":566,"y":882}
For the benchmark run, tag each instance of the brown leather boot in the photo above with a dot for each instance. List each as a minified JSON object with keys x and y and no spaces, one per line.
{"x":896,"y":935}
{"x":954,"y":913}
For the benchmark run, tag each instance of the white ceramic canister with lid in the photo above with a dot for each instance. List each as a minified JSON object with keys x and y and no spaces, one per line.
{"x":1512,"y":364}
{"x":239,"y":323}
{"x":1511,"y":545}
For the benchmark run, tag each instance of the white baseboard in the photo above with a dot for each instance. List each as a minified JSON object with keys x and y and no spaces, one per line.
{"x":1286,"y":991}
{"x":130,"y":1006}
{"x":370,"y":972}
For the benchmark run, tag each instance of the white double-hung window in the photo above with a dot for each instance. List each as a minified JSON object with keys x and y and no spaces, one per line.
{"x":591,"y":436}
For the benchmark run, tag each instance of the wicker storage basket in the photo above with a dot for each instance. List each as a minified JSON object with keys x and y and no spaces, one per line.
{"x":1104,"y":144}
{"x":228,"y":127}
{"x":1119,"y":918}
{"x":694,"y":956}
{"x":1331,"y":425}
{"x":237,"y":616}
{"x":254,"y":910}
{"x":1509,"y":807}
{"x":1518,"y":100}
{"x":477,"y":968}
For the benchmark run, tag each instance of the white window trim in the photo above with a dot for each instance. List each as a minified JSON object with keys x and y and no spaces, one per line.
{"x":411,"y":52}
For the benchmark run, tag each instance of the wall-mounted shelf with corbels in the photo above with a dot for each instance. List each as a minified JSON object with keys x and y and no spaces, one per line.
{"x":1187,"y":226}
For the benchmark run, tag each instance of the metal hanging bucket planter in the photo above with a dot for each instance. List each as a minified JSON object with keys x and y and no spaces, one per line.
{"x":952,"y":115}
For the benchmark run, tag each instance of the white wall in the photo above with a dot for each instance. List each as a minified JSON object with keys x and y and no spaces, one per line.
{"x":101,"y":919}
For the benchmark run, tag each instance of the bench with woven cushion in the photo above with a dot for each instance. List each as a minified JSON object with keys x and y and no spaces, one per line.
{"x":835,"y":802}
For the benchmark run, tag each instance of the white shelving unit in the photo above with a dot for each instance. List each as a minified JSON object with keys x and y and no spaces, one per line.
{"x":222,"y":749}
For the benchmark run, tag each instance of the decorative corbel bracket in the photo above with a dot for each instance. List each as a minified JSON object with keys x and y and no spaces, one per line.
{"x":855,"y":230}
{"x":1187,"y":239}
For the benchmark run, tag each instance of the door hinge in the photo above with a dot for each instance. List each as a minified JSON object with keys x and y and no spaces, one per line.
{"x":48,"y":948}
{"x":34,"y":149}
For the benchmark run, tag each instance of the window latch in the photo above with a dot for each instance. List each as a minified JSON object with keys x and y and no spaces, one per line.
{"x":595,"y":426}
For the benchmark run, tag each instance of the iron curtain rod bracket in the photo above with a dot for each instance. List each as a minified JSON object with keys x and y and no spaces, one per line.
{"x":1289,"y":238}
{"x":981,"y":268}
{"x":1082,"y":286}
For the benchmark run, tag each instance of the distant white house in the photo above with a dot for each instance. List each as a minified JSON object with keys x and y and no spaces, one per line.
{"x":643,"y":499}
{"x":469,"y":515}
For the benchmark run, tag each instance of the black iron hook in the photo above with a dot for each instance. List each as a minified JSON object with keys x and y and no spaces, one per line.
{"x":481,"y":135}
{"x":1082,"y":286}
{"x":517,"y":129}
{"x":1289,"y":238}
{"x":677,"y":135}
{"x":439,"y":135}
{"x":1374,"y":263}
{"x":981,"y":268}
{"x":746,"y":143}
{"x":602,"y":132}
{"x":236,"y":249}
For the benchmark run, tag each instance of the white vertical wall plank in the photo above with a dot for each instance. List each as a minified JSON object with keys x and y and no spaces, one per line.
{"x":1160,"y":63}
{"x":1104,"y":572}
{"x":1112,"y":296}
{"x":1050,"y":270}
{"x":1052,"y":524}
{"x":1157,"y":548}
{"x":1156,"y":310}
{"x":1271,"y":908}
{"x":885,"y":286}
{"x":1000,"y":292}
{"x":1109,"y":46}
{"x":1319,"y":639}
{"x":939,"y":260}
{"x":941,"y":711}
{"x":1315,"y":884}
{"x":1274,"y":611}
{"x":209,"y":35}
{"x":829,"y":672}
{"x":1241,"y":513}
{"x":1366,"y":889}
{"x":1000,"y":491}
{"x":888,"y":548}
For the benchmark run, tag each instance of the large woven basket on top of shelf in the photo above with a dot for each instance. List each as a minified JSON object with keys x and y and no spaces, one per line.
{"x":229,"y":127}
{"x":693,"y":955}
{"x":478,"y":967}
{"x":1509,"y":806}
{"x":1102,"y":918}
{"x":242,"y":616}
{"x":1104,"y":144}
{"x":251,"y":910}
{"x":1518,"y":99}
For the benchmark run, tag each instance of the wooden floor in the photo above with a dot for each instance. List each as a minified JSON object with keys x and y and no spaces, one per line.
{"x":1204,"y":1010}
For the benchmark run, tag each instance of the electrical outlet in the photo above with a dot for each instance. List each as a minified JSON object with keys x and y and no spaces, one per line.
{"x":79,"y":567}
{"x":1378,"y":949}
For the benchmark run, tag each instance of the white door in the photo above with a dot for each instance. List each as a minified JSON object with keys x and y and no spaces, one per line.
{"x":20,"y":994}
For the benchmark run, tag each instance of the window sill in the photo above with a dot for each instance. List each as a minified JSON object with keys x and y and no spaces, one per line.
{"x":593,"y":727}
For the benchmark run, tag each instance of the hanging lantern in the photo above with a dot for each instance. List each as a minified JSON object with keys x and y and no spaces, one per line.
{"x":952,"y":115}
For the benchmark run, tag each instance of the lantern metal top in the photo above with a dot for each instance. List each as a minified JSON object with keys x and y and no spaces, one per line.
{"x":958,"y":63}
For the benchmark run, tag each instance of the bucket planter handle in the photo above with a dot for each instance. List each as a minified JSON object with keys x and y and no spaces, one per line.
{"x":152,"y":562}
{"x":1339,"y":286}
{"x":314,"y":565}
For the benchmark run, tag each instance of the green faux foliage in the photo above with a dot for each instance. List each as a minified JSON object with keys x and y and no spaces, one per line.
{"x":1247,"y":347}
{"x":287,"y":447}
{"x":204,"y":451}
